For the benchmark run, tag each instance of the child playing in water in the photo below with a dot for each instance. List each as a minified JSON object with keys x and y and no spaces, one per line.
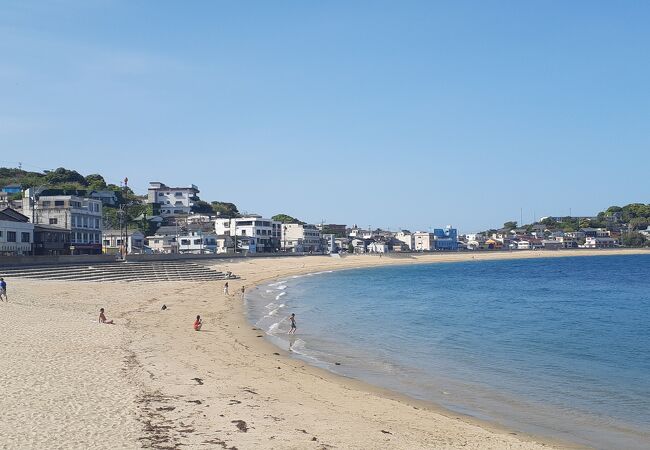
{"x":292,"y":318}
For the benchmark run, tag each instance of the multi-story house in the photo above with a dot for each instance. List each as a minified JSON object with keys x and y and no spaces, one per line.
{"x":171,"y":201}
{"x":337,"y":230}
{"x":113,"y":242}
{"x":423,"y":241}
{"x":16,"y":233}
{"x":197,"y":242}
{"x":406,"y":237}
{"x":446,"y":239}
{"x":252,"y":233}
{"x":82,"y":216}
{"x":301,"y":238}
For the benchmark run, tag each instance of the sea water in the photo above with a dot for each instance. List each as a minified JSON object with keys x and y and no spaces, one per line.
{"x":558,"y":347}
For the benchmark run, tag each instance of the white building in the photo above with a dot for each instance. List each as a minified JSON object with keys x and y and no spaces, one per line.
{"x":16,"y":233}
{"x":423,"y":242}
{"x":162,"y":243}
{"x":171,"y":201}
{"x":599,"y":242}
{"x":524,"y":245}
{"x":377,"y":247}
{"x":82,"y":216}
{"x":253,"y":233}
{"x":407,"y":238}
{"x":197,"y":242}
{"x":301,"y":238}
{"x":113,"y":241}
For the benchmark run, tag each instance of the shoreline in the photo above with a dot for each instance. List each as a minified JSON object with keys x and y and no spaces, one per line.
{"x":434,"y":259}
{"x":167,"y":386}
{"x":491,"y":424}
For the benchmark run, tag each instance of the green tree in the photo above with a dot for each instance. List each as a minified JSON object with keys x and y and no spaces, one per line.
{"x":639,"y":223}
{"x":550,"y":223}
{"x":62,"y":175}
{"x":201,"y":207}
{"x":285,"y":218}
{"x":634,"y":240}
{"x":225,"y":209}
{"x":511,"y":225}
{"x":95,"y":182}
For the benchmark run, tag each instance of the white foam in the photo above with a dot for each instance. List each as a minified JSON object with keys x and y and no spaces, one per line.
{"x":273,"y":327}
{"x":277,"y":283}
{"x":270,"y":306}
{"x":277,"y":297}
{"x":281,"y":306}
{"x":282,"y":288}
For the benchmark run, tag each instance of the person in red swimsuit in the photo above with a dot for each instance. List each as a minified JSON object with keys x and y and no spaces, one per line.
{"x":198,"y":323}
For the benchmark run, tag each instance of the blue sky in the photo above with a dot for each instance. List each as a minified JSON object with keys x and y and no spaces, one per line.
{"x":389,"y":114}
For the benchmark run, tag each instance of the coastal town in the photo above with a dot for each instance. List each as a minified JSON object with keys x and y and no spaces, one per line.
{"x":76,"y":215}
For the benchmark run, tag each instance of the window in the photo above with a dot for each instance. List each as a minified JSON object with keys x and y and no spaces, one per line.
{"x":59,"y":203}
{"x":197,"y":241}
{"x":85,"y":219}
{"x":46,"y":203}
{"x":118,"y":241}
{"x":185,"y":242}
{"x":0,"y":233}
{"x":11,"y":236}
{"x":53,"y":221}
{"x":243,"y":232}
{"x":258,"y":232}
{"x":24,"y":237}
{"x":160,"y":194}
{"x":73,"y":221}
{"x":178,"y":194}
{"x":107,"y":242}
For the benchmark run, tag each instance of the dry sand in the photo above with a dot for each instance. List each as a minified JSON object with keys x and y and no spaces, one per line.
{"x":151,"y":381}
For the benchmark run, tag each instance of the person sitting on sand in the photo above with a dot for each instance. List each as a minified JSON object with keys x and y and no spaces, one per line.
{"x":102,"y":318}
{"x":198,"y":323}
{"x":292,"y":318}
{"x":3,"y":289}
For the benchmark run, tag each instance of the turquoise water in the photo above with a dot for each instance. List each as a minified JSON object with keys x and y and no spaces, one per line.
{"x":558,"y":347}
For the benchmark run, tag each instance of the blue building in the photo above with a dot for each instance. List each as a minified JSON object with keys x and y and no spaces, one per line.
{"x":12,"y":189}
{"x":446,"y":239}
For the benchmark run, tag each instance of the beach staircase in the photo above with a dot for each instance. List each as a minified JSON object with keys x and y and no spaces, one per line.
{"x":149,"y":271}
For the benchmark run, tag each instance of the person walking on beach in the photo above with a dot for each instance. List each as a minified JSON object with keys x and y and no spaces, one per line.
{"x":3,"y":289}
{"x":243,"y":289}
{"x":102,"y":318}
{"x":292,"y":318}
{"x":225,"y":288}
{"x":198,"y":323}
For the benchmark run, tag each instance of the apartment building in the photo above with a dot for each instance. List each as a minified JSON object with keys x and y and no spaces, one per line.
{"x":171,"y":201}
{"x":423,"y":241}
{"x":82,"y":216}
{"x":253,"y":233}
{"x":298,"y":237}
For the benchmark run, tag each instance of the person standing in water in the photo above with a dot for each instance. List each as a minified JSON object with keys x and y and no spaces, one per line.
{"x":292,"y":318}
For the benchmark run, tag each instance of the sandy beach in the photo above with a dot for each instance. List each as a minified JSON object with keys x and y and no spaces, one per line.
{"x":151,"y":381}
